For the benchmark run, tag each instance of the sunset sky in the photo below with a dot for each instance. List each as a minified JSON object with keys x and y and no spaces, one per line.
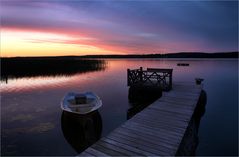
{"x":81,"y":27}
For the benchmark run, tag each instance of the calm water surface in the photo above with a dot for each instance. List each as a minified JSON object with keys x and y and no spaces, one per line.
{"x":32,"y":122}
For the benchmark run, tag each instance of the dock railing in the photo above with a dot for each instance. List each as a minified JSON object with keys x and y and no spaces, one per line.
{"x":151,"y":77}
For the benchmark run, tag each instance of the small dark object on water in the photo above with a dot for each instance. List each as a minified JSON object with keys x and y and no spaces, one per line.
{"x":198,"y":80}
{"x":183,"y":64}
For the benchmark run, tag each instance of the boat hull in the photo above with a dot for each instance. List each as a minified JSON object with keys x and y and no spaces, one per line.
{"x":94,"y":103}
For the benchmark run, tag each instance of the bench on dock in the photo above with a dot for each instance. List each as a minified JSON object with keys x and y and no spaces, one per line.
{"x":158,"y":130}
{"x":151,"y":77}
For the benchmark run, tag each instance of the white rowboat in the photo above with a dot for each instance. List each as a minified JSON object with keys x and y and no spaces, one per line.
{"x":81,"y":103}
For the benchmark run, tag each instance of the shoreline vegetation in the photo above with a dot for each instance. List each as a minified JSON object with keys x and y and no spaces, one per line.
{"x":47,"y":66}
{"x":15,"y":67}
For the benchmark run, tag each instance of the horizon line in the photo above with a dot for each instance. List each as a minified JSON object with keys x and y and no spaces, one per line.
{"x":102,"y":55}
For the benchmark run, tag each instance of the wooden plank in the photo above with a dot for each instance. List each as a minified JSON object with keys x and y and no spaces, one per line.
{"x":146,"y":118}
{"x":95,"y":152}
{"x":173,"y":108}
{"x":127,"y":147}
{"x":85,"y":154}
{"x":145,"y":143}
{"x":141,"y":136}
{"x":147,"y":134}
{"x":108,"y":151}
{"x":174,"y":130}
{"x":176,"y":111}
{"x":181,"y":99}
{"x":157,"y":130}
{"x":116,"y":148}
{"x":155,"y":112}
{"x":116,"y":145}
{"x":163,"y":132}
{"x":175,"y":101}
{"x":161,"y":118}
{"x":176,"y":105}
{"x":184,"y":92}
{"x":160,"y":134}
{"x":162,"y":125}
{"x":138,"y":144}
{"x":164,"y":113}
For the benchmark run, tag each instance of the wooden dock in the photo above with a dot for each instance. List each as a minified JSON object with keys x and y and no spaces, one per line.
{"x":161,"y":78}
{"x":156,"y":131}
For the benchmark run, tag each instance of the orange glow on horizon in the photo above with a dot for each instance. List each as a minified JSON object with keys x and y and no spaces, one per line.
{"x":34,"y":43}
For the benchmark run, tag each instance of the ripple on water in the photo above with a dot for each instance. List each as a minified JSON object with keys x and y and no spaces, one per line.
{"x":33,"y":83}
{"x":38,"y":128}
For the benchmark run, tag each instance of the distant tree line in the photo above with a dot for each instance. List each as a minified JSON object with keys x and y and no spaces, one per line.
{"x":171,"y":55}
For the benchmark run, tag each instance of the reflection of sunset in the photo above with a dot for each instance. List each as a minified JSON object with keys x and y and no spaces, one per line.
{"x":116,"y":68}
{"x":119,"y":64}
{"x":46,"y":82}
{"x":32,"y":82}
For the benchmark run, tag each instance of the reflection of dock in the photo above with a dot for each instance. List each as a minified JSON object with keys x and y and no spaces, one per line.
{"x":159,"y":129}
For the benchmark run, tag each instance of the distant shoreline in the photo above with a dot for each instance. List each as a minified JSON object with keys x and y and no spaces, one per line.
{"x":169,"y":55}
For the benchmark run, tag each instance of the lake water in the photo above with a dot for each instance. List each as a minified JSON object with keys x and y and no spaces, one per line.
{"x":32,"y":122}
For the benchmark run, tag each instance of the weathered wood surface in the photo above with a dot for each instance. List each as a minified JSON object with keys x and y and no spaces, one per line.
{"x":155,"y":131}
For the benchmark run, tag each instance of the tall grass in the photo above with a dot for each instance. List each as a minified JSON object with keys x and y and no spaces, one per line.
{"x":40,"y":66}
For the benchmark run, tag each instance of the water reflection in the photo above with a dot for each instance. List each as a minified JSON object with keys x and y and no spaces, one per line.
{"x":201,"y":108}
{"x":38,"y":97}
{"x":140,"y":97}
{"x":81,"y":131}
{"x":191,"y":139}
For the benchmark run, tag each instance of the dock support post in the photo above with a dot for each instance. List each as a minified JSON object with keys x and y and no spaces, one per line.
{"x":128,"y":73}
{"x":170,"y":80}
{"x":141,"y":74}
{"x":6,"y":79}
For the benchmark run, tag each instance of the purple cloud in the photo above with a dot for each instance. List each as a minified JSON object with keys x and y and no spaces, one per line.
{"x":137,"y":27}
